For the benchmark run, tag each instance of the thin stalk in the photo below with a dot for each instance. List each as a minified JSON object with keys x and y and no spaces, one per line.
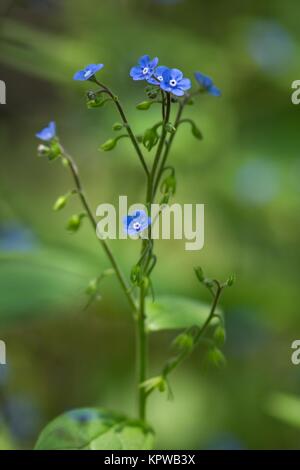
{"x":182,"y":356}
{"x":142,"y":346}
{"x":159,"y":148}
{"x":168,"y":146}
{"x":126,"y":124}
{"x":142,"y":355}
{"x":84,"y":201}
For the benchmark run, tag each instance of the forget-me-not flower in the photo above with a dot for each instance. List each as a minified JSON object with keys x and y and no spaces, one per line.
{"x":208,"y":84}
{"x":174,"y":82}
{"x":88,"y":72}
{"x":136,"y":223}
{"x":145,"y":68}
{"x":157,"y":76}
{"x":48,"y":133}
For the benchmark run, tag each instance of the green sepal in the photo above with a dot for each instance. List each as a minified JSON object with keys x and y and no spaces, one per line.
{"x":215,"y":357}
{"x":150,"y":138}
{"x":170,"y":128}
{"x":51,"y":150}
{"x":219,"y":335}
{"x":95,"y":99}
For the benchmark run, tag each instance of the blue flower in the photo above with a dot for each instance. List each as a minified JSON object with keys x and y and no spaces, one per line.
{"x":88,"y":72}
{"x":174,"y":82}
{"x":48,"y":133}
{"x":157,"y":76}
{"x":208,"y":84}
{"x":145,"y":68}
{"x":136,"y":223}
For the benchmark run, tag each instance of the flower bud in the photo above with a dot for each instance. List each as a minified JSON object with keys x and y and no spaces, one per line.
{"x":170,"y":128}
{"x":92,"y":287}
{"x":152,"y":91}
{"x":74,"y":222}
{"x":144,"y":105}
{"x":199,"y":273}
{"x":184,"y":342}
{"x":117,"y":126}
{"x":108,"y":145}
{"x":196,"y":132}
{"x":219,"y":335}
{"x":61,"y":202}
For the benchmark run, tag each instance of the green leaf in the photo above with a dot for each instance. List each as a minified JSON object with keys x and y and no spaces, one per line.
{"x":95,"y":429}
{"x":285,"y":407}
{"x":175,"y":313}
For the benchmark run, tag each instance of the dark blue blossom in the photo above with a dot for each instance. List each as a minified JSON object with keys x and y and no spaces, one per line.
{"x":145,"y":68}
{"x":208,"y":84}
{"x":157,"y":76}
{"x":174,"y":82}
{"x":136,"y":223}
{"x":88,"y":72}
{"x":48,"y":133}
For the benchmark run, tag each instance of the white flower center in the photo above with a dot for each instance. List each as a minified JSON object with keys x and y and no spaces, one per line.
{"x":145,"y":70}
{"x":173,"y":82}
{"x":86,"y":74}
{"x":136,"y":226}
{"x":160,"y":78}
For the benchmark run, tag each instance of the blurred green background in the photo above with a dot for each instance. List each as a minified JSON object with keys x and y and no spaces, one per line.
{"x":246,"y":171}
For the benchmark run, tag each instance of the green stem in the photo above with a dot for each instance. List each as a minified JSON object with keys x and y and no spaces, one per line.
{"x":159,"y":150}
{"x":83,"y":198}
{"x":169,"y":144}
{"x":126,"y":124}
{"x":142,"y":346}
{"x":142,"y":355}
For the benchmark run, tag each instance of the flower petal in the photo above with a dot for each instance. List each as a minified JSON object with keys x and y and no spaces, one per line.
{"x":185,"y":84}
{"x":48,"y":133}
{"x":176,"y":74}
{"x":177,"y":91}
{"x":87,"y":72}
{"x":136,"y":73}
{"x":203,"y":80}
{"x":213,"y":90}
{"x":144,"y":61}
{"x":153,"y":63}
